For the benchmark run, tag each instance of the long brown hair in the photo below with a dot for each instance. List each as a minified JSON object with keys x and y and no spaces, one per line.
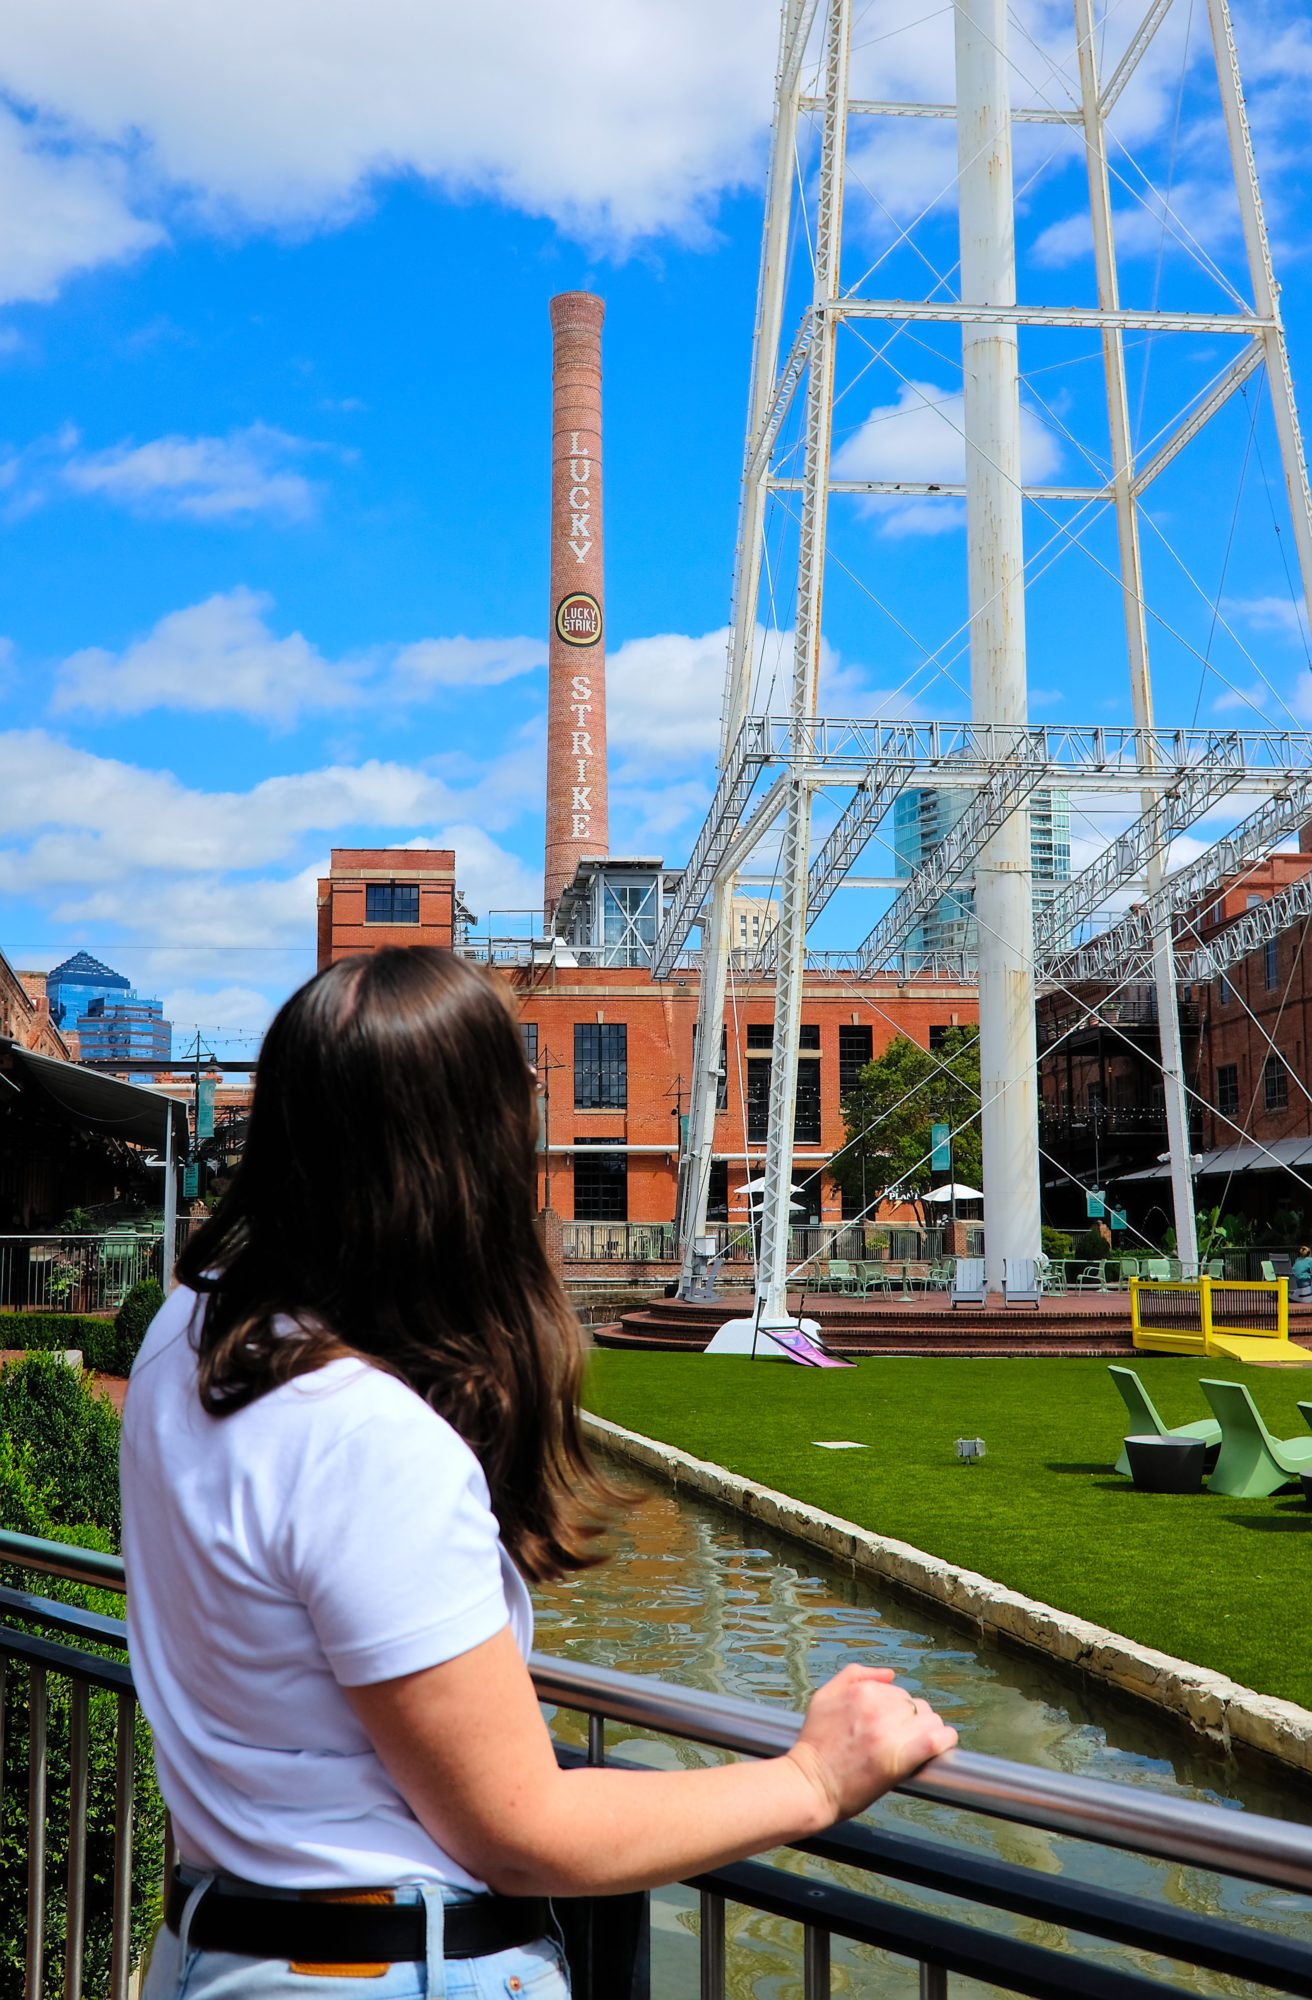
{"x":384,"y":1207}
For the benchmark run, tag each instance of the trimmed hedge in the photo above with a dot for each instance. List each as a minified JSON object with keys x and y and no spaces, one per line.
{"x":109,"y":1347}
{"x":37,"y":1333}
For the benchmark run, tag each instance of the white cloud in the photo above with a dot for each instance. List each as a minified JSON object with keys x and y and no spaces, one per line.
{"x":919,"y":439}
{"x":219,"y":656}
{"x":221,"y":1013}
{"x":490,"y":877}
{"x":223,"y":656}
{"x":1282,"y":616}
{"x":61,"y":210}
{"x":200,"y":478}
{"x":664,"y":695}
{"x":616,"y":120}
{"x":460,"y":662}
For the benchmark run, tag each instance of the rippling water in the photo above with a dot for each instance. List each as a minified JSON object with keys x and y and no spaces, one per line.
{"x":694,"y":1595}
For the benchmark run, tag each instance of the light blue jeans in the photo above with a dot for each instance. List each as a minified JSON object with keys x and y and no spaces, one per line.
{"x":178,"y":1971}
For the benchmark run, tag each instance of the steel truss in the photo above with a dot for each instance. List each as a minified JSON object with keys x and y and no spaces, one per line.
{"x":1186,"y":892}
{"x":1179,"y":775}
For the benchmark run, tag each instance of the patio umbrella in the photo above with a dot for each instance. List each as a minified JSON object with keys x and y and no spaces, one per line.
{"x":754,"y":1190}
{"x":954,"y":1191}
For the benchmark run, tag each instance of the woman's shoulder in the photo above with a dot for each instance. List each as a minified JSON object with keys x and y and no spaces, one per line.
{"x":349,"y":1394}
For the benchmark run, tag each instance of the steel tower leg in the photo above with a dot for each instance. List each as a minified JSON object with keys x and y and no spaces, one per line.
{"x":716,"y":932}
{"x":995,"y":561}
{"x":1266,"y":292}
{"x":1175,"y":1089}
{"x":772,"y":1274}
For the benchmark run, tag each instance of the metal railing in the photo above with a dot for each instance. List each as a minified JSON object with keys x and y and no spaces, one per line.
{"x":1232,"y":1843}
{"x":75,"y":1274}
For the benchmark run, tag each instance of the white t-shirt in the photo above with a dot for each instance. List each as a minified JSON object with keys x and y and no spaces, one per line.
{"x":333,"y":1533}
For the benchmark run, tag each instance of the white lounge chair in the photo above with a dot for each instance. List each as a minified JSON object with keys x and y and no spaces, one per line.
{"x":1021,"y":1281}
{"x":968,"y":1282}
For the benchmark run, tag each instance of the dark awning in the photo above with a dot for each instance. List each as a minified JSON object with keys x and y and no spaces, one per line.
{"x":121,"y":1110}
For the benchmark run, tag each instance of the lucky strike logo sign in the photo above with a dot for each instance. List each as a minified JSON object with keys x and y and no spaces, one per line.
{"x":578,"y":619}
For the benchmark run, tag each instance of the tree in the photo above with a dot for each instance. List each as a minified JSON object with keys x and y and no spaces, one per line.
{"x":899,"y":1097}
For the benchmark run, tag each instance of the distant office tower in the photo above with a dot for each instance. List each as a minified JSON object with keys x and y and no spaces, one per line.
{"x":126,"y":1028}
{"x":72,"y":986}
{"x":921,"y":819}
{"x":576,"y":824}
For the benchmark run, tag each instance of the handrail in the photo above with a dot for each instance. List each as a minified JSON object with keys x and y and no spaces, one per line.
{"x":1234,"y":1842}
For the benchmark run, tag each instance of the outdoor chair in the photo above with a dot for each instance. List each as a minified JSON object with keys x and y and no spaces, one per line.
{"x":842,"y":1275}
{"x":1091,"y":1277}
{"x":1158,"y":1269}
{"x":1129,"y":1269}
{"x":1268,"y":1271}
{"x":940,"y":1275}
{"x":875,"y":1278}
{"x":1252,"y":1462}
{"x":1145,"y":1422}
{"x":1305,"y":1411}
{"x":968,"y":1282}
{"x":1021,"y":1282}
{"x":1052,"y":1277}
{"x":1216,"y":1267}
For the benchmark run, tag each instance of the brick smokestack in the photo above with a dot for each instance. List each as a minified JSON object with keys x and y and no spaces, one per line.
{"x":576,"y":699}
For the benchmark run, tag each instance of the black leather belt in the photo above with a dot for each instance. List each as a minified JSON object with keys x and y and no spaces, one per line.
{"x":316,"y":1930}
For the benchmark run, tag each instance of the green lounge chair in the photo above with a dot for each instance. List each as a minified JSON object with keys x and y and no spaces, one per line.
{"x":1145,"y":1422}
{"x":1252,"y":1462}
{"x":842,"y":1275}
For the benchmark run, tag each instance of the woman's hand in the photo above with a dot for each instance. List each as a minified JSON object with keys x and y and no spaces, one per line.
{"x":862,"y":1735}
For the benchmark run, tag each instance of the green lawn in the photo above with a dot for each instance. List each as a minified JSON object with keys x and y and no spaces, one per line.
{"x":1222,"y":1582}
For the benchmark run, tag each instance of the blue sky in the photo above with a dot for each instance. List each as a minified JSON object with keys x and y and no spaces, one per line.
{"x":274,"y":359}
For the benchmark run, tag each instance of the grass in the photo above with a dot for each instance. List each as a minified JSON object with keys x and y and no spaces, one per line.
{"x":1224,"y":1583}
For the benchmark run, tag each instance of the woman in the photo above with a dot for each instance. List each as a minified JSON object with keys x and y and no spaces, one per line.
{"x":351,"y":1434}
{"x":1300,"y":1274}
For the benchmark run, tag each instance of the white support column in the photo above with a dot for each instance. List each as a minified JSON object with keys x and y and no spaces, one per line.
{"x":716,"y":930}
{"x":772,"y":1275}
{"x":169,"y":1247}
{"x":1266,"y":292}
{"x":995,"y":560}
{"x":1175,"y":1089}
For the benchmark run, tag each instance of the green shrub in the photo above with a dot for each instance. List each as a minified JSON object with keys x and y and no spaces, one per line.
{"x":48,"y":1411}
{"x":37,"y":1332}
{"x":1092,"y":1246}
{"x":134,"y":1316}
{"x":28,"y":1483}
{"x":1057,"y":1242}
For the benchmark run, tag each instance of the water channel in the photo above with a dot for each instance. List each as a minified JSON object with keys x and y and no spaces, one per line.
{"x":697,"y":1596}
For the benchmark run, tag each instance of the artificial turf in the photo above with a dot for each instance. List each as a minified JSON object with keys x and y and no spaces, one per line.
{"x":1224,"y":1583}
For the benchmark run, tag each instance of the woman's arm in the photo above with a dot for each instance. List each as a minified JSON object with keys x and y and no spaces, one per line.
{"x":466,"y":1745}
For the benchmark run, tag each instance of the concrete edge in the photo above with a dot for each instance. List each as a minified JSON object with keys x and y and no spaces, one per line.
{"x":1209,"y":1703}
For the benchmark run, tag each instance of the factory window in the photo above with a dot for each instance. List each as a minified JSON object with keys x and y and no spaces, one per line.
{"x":806,"y":1119}
{"x":1275,"y":1083}
{"x":1227,"y":1087}
{"x":717,"y":1199}
{"x":528,"y":1035}
{"x":760,"y":1035}
{"x":809,"y":1037}
{"x":601,"y":1184}
{"x":1225,"y":995}
{"x":856,"y":1047}
{"x":601,"y":1066}
{"x":1269,"y":962}
{"x":758,"y":1101}
{"x":391,"y":903}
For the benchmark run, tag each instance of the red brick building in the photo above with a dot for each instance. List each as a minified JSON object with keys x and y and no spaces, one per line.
{"x":374,"y":896}
{"x":614,"y":1048}
{"x":25,"y":1014}
{"x":1257,"y":1043}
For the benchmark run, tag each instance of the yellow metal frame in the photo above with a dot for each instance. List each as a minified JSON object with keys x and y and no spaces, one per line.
{"x":1200,"y":1339}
